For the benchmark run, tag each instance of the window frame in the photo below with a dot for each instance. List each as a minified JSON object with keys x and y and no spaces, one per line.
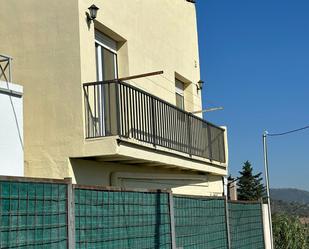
{"x":180,"y":92}
{"x":99,"y":44}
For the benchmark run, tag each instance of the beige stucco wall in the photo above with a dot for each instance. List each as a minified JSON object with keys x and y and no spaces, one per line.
{"x":153,"y":35}
{"x":53,"y":51}
{"x":43,"y":39}
{"x":133,"y":176}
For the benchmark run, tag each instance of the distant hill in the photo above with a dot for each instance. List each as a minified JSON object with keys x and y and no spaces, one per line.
{"x":290,"y":208}
{"x":290,"y":201}
{"x":290,"y":195}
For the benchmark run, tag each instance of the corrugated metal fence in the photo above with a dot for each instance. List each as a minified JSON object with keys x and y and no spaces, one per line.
{"x":43,"y":213}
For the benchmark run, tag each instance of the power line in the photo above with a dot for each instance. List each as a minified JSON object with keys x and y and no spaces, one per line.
{"x":166,"y":89}
{"x":287,"y":132}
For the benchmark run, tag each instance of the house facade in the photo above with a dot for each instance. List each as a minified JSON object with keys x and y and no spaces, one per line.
{"x":80,"y":121}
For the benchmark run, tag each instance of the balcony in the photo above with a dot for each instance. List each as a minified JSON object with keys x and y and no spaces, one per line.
{"x":115,"y":108}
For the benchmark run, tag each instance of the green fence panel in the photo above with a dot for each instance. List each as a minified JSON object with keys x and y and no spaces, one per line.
{"x":200,"y":223}
{"x":122,"y":220}
{"x":246,"y":225}
{"x":33,"y":215}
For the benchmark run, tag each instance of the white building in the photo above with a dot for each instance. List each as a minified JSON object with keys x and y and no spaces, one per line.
{"x":11,"y":123}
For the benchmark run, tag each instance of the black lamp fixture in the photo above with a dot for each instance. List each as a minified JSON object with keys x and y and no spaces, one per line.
{"x":200,"y":84}
{"x":92,"y":15}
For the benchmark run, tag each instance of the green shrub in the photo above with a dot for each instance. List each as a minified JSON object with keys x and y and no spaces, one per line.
{"x":289,"y":233}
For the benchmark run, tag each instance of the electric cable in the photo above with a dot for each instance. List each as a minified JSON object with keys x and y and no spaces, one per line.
{"x":287,"y":132}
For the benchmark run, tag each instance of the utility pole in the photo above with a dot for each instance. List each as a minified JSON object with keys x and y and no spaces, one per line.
{"x":267,"y":186}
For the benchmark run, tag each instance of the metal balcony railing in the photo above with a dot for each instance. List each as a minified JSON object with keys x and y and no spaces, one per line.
{"x":117,"y":108}
{"x":6,"y":68}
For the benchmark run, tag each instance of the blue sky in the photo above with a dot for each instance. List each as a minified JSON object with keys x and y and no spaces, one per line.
{"x":255,"y":61}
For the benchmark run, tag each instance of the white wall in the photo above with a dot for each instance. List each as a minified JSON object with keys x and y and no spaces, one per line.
{"x":266,"y":225}
{"x":11,"y":130}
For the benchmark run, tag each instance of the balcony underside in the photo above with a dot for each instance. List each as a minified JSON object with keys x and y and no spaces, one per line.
{"x":132,"y":152}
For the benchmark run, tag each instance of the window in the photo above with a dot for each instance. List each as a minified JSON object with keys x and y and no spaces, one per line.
{"x":106,"y":57}
{"x":180,"y":86}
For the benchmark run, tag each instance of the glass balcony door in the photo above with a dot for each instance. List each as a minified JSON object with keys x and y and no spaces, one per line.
{"x":106,"y":57}
{"x":106,"y":67}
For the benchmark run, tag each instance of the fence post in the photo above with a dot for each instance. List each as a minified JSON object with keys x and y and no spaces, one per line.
{"x":172,"y":218}
{"x":262,"y":218}
{"x":227,"y":222}
{"x":71,"y":214}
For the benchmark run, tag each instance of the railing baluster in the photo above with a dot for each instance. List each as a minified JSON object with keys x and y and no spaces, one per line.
{"x":94,"y":114}
{"x":158,"y":121}
{"x":168,"y":129}
{"x":189,"y":134}
{"x":133,"y":114}
{"x":175,"y":129}
{"x":173,"y":120}
{"x":131,"y":111}
{"x":125,"y":111}
{"x":144,"y":117}
{"x":139,"y":116}
{"x":109,"y":109}
{"x":198,"y":126}
{"x":149,"y":140}
{"x":147,"y":118}
{"x":102,"y":110}
{"x":86,"y":110}
{"x":119,"y":110}
{"x":143,"y":112}
{"x":163,"y":123}
{"x":209,"y":141}
{"x":154,"y":119}
{"x":137,"y":109}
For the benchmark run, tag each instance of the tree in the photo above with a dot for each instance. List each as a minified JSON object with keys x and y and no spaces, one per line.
{"x":289,"y":233}
{"x":250,"y":186}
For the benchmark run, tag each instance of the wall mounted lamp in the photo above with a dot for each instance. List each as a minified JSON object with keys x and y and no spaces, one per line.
{"x":92,"y":15}
{"x":200,"y":84}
